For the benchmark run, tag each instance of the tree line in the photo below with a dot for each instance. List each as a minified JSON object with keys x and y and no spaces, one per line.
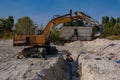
{"x":8,"y":28}
{"x":111,"y":26}
{"x":25,"y":25}
{"x":78,"y":22}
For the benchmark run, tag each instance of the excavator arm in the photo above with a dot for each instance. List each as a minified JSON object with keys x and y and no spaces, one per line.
{"x":67,"y":18}
{"x":97,"y":27}
{"x":55,"y":22}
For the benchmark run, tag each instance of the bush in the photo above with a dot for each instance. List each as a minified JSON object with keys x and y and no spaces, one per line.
{"x":6,"y":35}
{"x":113,"y":37}
{"x":111,"y":27}
{"x":55,"y":37}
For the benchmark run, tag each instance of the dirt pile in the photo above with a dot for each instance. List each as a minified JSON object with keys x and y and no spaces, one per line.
{"x":97,"y":59}
{"x":54,"y":68}
{"x":92,"y":67}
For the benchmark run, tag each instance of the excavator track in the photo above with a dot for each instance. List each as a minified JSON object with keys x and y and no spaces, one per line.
{"x":32,"y":52}
{"x":36,"y":52}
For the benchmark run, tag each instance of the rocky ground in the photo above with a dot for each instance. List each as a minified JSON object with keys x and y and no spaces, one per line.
{"x":93,"y":60}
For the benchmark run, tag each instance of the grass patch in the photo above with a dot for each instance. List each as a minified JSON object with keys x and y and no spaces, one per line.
{"x":113,"y":37}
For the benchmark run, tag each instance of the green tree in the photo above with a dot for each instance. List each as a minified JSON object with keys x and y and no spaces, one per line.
{"x":105,"y":20}
{"x":9,"y":23}
{"x":2,"y":23}
{"x":78,"y":22}
{"x":25,"y":26}
{"x":6,"y":26}
{"x":117,"y":29}
{"x":68,"y":23}
{"x":111,"y":26}
{"x":118,"y":20}
{"x":55,"y":36}
{"x":112,"y":22}
{"x":106,"y":25}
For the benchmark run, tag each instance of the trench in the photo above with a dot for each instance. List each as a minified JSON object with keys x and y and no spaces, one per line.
{"x":71,"y":69}
{"x":64,"y":70}
{"x":54,"y":68}
{"x":58,"y":68}
{"x":63,"y":67}
{"x":76,"y":68}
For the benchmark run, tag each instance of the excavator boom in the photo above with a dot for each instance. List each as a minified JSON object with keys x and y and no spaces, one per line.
{"x":67,"y":18}
{"x":55,"y":22}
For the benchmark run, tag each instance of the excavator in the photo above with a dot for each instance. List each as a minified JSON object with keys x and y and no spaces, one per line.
{"x":41,"y":41}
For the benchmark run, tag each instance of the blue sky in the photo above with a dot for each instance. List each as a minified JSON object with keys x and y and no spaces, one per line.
{"x":41,"y":11}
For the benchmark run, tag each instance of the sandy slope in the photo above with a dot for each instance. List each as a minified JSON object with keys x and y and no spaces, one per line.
{"x":97,"y":59}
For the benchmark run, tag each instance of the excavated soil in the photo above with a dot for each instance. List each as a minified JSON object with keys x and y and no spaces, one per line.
{"x":98,"y":59}
{"x":93,"y":60}
{"x":11,"y":68}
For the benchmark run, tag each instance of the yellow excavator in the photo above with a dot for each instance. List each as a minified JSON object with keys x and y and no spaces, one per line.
{"x":42,"y":40}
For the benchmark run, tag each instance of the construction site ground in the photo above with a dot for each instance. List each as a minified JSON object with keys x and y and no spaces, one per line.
{"x":93,"y":60}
